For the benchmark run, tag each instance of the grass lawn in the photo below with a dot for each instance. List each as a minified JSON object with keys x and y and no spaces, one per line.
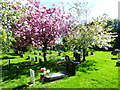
{"x":98,"y":71}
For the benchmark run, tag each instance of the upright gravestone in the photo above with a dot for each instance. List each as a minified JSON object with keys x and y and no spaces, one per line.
{"x":119,"y":56}
{"x":40,"y":60}
{"x":8,"y":64}
{"x":28,"y":58}
{"x":39,"y":53}
{"x":17,"y":71}
{"x":91,"y":52}
{"x":32,"y":77}
{"x":50,"y":52}
{"x":59,"y":53}
{"x":70,"y":66}
{"x":35,"y":59}
{"x":77,"y":56}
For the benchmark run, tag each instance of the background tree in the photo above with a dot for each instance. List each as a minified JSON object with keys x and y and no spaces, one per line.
{"x":90,"y":34}
{"x":116,"y":31}
{"x":41,"y":26}
{"x":9,"y":12}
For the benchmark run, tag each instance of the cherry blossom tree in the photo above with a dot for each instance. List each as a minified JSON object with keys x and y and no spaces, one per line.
{"x":41,"y":26}
{"x":93,"y":33}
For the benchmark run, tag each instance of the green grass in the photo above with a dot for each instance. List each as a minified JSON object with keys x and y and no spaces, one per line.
{"x":98,"y":71}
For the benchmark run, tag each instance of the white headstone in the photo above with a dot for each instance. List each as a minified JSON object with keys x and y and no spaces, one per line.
{"x":32,"y":76}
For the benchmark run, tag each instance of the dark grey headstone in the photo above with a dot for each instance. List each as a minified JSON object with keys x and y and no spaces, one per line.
{"x":40,"y":60}
{"x":39,"y":53}
{"x":118,"y":63}
{"x":77,"y":56}
{"x":9,"y":64}
{"x":17,"y":71}
{"x":28,"y":58}
{"x":50,"y":52}
{"x":59,"y":53}
{"x":35,"y":59}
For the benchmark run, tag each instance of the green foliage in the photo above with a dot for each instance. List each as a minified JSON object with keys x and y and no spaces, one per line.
{"x":8,"y":15}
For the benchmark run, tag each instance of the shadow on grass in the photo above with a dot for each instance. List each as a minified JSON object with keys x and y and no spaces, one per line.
{"x":88,"y":65}
{"x":18,"y":69}
{"x":6,"y":57}
{"x":13,"y":54}
{"x":21,"y":87}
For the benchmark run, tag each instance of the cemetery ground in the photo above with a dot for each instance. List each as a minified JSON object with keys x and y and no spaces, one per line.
{"x":98,"y":71}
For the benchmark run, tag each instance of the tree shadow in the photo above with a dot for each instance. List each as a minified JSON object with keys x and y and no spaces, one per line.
{"x":23,"y":68}
{"x":6,"y":57}
{"x":16,"y":70}
{"x":88,"y":65}
{"x":21,"y":87}
{"x":13,"y":54}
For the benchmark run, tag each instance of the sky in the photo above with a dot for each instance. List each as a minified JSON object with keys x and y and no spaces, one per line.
{"x":97,"y":7}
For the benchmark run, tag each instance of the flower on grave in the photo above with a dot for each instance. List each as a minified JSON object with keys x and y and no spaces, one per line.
{"x":43,"y":72}
{"x":43,"y":69}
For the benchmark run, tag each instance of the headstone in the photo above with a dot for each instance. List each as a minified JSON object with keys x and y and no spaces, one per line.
{"x":114,"y":52}
{"x":32,"y":76}
{"x":50,"y":52}
{"x":70,"y":66}
{"x":81,"y":52}
{"x":35,"y":53}
{"x":77,"y":56}
{"x":9,"y":64}
{"x":119,"y":56}
{"x":17,"y":71}
{"x":91,"y":52}
{"x":39,"y":53}
{"x":28,"y":58}
{"x":86,"y":54}
{"x":35,"y":59}
{"x":40,"y":60}
{"x":118,"y":63}
{"x":21,"y":55}
{"x":59,"y":53}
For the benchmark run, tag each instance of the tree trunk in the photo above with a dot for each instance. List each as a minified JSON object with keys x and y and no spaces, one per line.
{"x":84,"y":54}
{"x":44,"y":53}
